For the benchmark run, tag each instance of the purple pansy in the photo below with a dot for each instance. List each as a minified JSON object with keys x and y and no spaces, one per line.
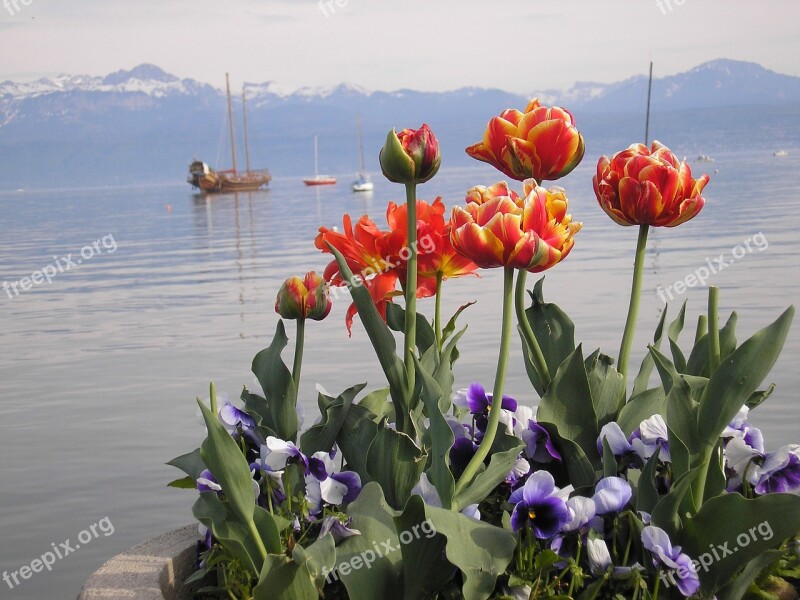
{"x":207,"y":482}
{"x":338,"y":529}
{"x":611,"y":495}
{"x":538,"y":445}
{"x":461,"y":453}
{"x":613,"y":434}
{"x":651,"y":437}
{"x":539,"y":505}
{"x":581,"y":511}
{"x":740,"y":428}
{"x":336,"y":489}
{"x":233,"y":418}
{"x":671,"y":559}
{"x":780,"y":472}
{"x":478,"y":401}
{"x":767,"y":472}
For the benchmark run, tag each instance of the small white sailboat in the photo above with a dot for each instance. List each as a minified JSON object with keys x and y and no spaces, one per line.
{"x":318,"y":179}
{"x":363,"y":183}
{"x":780,"y":153}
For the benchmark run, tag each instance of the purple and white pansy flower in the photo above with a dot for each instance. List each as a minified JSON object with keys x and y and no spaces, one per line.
{"x":670,"y":558}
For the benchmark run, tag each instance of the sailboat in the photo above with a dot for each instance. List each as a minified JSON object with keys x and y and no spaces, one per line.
{"x":210,"y":181}
{"x":318,"y":179}
{"x":363,"y":183}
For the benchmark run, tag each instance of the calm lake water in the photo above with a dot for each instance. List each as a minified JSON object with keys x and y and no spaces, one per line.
{"x":100,"y":368}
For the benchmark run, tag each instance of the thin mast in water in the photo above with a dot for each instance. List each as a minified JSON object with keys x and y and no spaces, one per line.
{"x":230,"y":122}
{"x":246,"y":143}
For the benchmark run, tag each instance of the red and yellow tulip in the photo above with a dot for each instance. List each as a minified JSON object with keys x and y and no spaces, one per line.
{"x":411,"y":156}
{"x":648,"y":186}
{"x":306,"y":298}
{"x":532,"y":233}
{"x":540,"y":142}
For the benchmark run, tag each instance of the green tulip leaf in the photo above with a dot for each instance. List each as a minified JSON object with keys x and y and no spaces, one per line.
{"x":729,"y":531}
{"x":756,"y":399}
{"x":479,"y":550}
{"x":739,"y":375}
{"x":568,"y":405}
{"x":395,"y":461}
{"x":377,"y":402}
{"x":643,"y":377}
{"x":319,"y":558}
{"x":607,"y":387}
{"x":698,"y":363}
{"x":441,"y":437}
{"x":396,"y":320}
{"x":448,"y":329}
{"x":579,"y":469}
{"x":227,"y":528}
{"x":192,"y":464}
{"x":646,"y":491}
{"x":377,"y":549}
{"x":485,"y":481}
{"x":283,"y":579}
{"x":641,"y":407}
{"x":228,"y":465}
{"x":669,"y":509}
{"x":322,"y":437}
{"x":554,"y":331}
{"x":741,"y":582}
{"x":424,"y":571}
{"x":279,"y":388}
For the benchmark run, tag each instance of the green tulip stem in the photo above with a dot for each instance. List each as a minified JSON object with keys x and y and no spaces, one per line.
{"x":411,"y":288}
{"x":633,"y":307}
{"x":298,"y":356}
{"x":658,"y":584}
{"x":437,"y":315}
{"x":537,"y":355}
{"x":713,"y":328}
{"x":212,"y":396}
{"x":499,"y":380}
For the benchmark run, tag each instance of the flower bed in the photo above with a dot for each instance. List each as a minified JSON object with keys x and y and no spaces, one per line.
{"x":616,"y":485}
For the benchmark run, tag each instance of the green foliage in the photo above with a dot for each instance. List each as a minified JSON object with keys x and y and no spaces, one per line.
{"x":554,"y":331}
{"x":277,"y":410}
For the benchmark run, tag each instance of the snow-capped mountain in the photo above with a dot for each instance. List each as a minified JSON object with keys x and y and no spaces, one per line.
{"x":145,"y":79}
{"x":146,"y":124}
{"x":716,"y":83}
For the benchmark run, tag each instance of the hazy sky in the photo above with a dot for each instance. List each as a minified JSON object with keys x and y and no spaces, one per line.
{"x":519,"y":46}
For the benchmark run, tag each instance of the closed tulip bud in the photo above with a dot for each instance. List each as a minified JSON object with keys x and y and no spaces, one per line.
{"x":411,"y":156}
{"x":306,"y":298}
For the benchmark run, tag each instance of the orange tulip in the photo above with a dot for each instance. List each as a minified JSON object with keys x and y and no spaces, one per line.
{"x":541,"y":143}
{"x":533,"y":233}
{"x":379,"y":259}
{"x":648,"y":186}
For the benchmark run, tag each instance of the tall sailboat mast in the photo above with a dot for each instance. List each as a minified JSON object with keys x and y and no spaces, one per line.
{"x":316,"y":165}
{"x":230,"y":122}
{"x":246,"y":143}
{"x":360,"y":144}
{"x":647,"y":121}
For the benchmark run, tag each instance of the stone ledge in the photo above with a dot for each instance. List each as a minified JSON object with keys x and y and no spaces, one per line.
{"x":152,"y":570}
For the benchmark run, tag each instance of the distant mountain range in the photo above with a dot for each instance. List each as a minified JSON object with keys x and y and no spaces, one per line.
{"x":146,"y":125}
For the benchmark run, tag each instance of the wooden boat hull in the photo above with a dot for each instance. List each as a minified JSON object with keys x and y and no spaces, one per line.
{"x":221,"y":182}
